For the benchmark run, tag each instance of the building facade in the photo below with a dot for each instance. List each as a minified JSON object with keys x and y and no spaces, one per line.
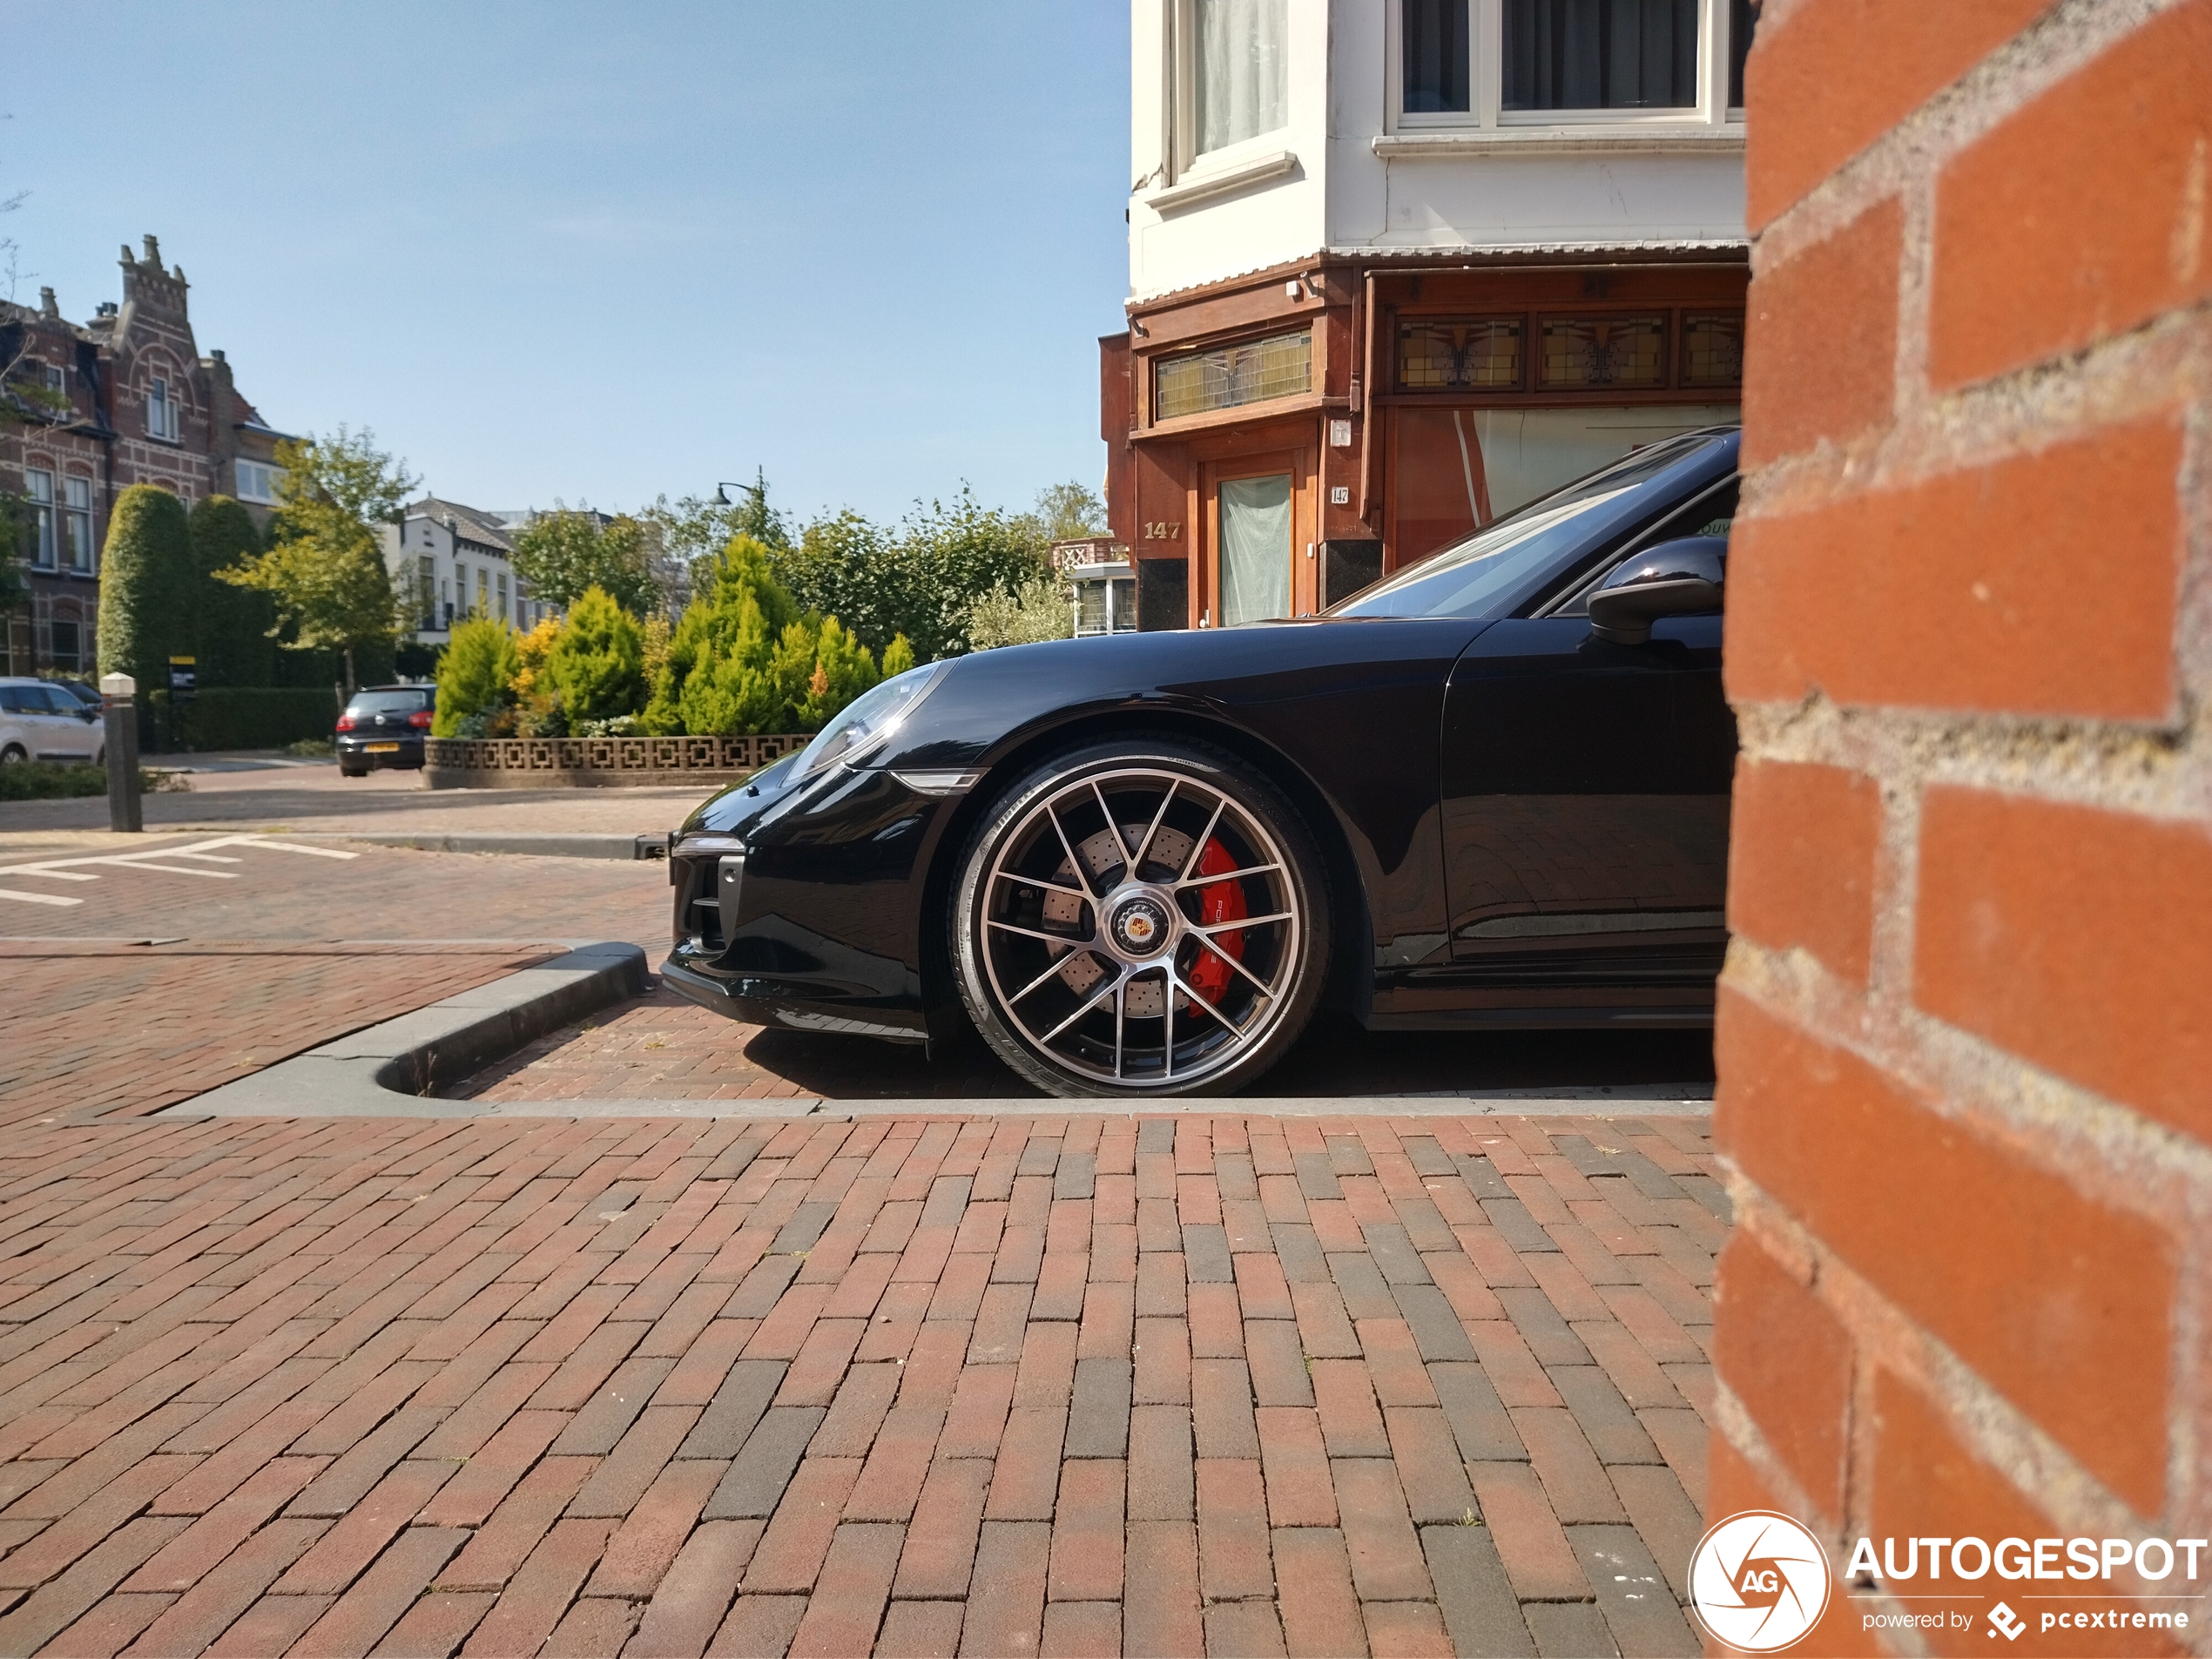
{"x":94,"y":408}
{"x":456,"y":561}
{"x":1399,"y":266}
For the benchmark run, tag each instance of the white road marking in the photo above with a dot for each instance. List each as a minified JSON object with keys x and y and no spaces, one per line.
{"x":174,"y":869}
{"x":55,"y":875}
{"x":39,"y":897}
{"x":206,"y":858}
{"x":285,"y":846}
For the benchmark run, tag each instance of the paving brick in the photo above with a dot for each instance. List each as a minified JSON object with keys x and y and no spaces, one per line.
{"x":755,"y":1483}
{"x":1221,"y":1410}
{"x":1681,"y":1436}
{"x":1639,"y":1608}
{"x":1378,"y":1533}
{"x":850,"y":1591}
{"x":688,"y":1606}
{"x":207,"y":1541}
{"x":593,"y":1627}
{"x":649,"y":1536}
{"x":624,"y":1475}
{"x":1475,"y":1597}
{"x":1530,"y":1540}
{"x":926,"y":1630}
{"x":382,"y":1595}
{"x":1027,"y":1474}
{"x":1087,"y":1532}
{"x":272,"y":1625}
{"x":1573,"y":1479}
{"x":1161,"y":1354}
{"x":760,"y":1627}
{"x":1165,"y":1620}
{"x":790,"y":1553}
{"x":940,"y":1552}
{"x":1006,"y":1601}
{"x":359,"y":1535}
{"x":1099,"y":1410}
{"x":1324,"y":1330}
{"x":1321,"y":1612}
{"x":56,"y":1605}
{"x":1233,"y":1558}
{"x":502,"y":1543}
{"x":1277,"y":1365}
{"x":1479,"y":1419}
{"x":474,"y":1490}
{"x":1429,"y":1471}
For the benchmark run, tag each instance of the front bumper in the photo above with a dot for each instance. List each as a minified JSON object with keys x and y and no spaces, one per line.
{"x":783,"y":1006}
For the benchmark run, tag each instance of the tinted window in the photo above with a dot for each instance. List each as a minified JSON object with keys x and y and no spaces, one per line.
{"x":12,"y":699}
{"x":1711,"y":514}
{"x":51,"y":699}
{"x":388,"y":702}
{"x":1491,"y":570}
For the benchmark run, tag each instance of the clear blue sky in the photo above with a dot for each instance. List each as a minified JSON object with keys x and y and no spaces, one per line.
{"x":605,"y":252}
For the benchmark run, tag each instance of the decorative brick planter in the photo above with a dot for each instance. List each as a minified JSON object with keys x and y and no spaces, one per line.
{"x":591,"y":763}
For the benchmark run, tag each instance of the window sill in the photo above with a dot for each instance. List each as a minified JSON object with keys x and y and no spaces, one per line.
{"x":1205,"y":187}
{"x":1621,"y":139}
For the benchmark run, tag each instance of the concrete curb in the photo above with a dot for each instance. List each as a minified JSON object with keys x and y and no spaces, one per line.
{"x":380,"y":1071}
{"x":583,"y":845}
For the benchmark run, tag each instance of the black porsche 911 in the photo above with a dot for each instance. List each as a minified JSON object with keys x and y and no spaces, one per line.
{"x":1490,"y":791}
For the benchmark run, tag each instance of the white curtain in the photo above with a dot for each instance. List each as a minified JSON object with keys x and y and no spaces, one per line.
{"x":1241,"y":73}
{"x":1255,"y":549}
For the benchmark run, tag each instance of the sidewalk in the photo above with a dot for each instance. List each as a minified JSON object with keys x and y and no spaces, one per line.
{"x":914,"y":1385}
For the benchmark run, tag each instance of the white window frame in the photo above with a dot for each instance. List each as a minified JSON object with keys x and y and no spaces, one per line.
{"x":77,"y":515}
{"x":45,"y":541}
{"x":162,"y":399}
{"x":1181,"y":146}
{"x":263,"y":475}
{"x":1709,"y":122}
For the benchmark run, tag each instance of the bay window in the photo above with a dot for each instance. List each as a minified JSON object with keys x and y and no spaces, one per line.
{"x":1231,"y":75}
{"x":1520,"y":64}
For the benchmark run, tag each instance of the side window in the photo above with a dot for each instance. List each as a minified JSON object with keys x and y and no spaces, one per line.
{"x":1711,"y":514}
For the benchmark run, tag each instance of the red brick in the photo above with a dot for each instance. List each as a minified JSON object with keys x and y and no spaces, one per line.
{"x":377,"y":1598}
{"x":1296,"y":1465}
{"x":897,"y":1465}
{"x":1387,"y":1562}
{"x":687,"y":1608}
{"x":1802,"y":849}
{"x":1086,"y":1563}
{"x":1164,"y":1621}
{"x":1394,"y":1364}
{"x":790,"y":1553}
{"x":502,"y":1543}
{"x":1072,"y":1630}
{"x":623,"y":1476}
{"x":1513,"y":1370}
{"x":928,"y":1630}
{"x":759,"y":1625}
{"x":1232,"y":1530}
{"x":862,"y":1400}
{"x":1243,"y":1627}
{"x":359,"y":1537}
{"x":1409,"y":1627}
{"x":271,"y":1625}
{"x":2062,"y":1302}
{"x":1277,"y":1363}
{"x":594,"y":1626}
{"x":654,"y":1531}
{"x":2077,"y":938}
{"x":819,"y":1364}
{"x":1162,"y":1355}
{"x":1217,"y":1322}
{"x":1028,"y":1470}
{"x":941,"y":1544}
{"x":1965,"y":590}
{"x":849,"y":1597}
{"x":1048,"y":1372}
{"x":1798,"y":389}
{"x":704,"y":1364}
{"x":2082,"y":215}
{"x":1796,"y":1387}
{"x":977,"y":1420}
{"x":1350,"y":1422}
{"x":205,"y":1610}
{"x":195,"y":1552}
{"x":1831,"y":76}
{"x":1006,"y":1601}
{"x":1537,"y":1558}
{"x":1160,"y":1477}
{"x":1738,"y":1486}
{"x":1313,"y":1578}
{"x":476,"y":1488}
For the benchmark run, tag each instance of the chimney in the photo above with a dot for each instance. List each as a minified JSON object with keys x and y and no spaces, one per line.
{"x":154,"y":251}
{"x":47,"y":304}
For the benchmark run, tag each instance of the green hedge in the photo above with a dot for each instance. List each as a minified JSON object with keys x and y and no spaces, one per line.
{"x":237,"y":717}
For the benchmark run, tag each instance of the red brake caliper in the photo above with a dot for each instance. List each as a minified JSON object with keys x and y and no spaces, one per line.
{"x":1218,"y":901}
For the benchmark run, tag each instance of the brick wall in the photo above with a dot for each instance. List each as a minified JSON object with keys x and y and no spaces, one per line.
{"x":1966,"y":1031}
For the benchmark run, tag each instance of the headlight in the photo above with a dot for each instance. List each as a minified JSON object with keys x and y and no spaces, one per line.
{"x":864,"y":723}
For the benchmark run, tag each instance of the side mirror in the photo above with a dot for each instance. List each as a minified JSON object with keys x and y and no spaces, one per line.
{"x":1673,"y":579}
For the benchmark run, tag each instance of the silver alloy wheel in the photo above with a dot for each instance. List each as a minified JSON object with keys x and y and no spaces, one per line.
{"x":1141,"y":928}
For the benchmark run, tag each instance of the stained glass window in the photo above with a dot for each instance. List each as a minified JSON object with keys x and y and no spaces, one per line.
{"x":1281,"y":365}
{"x":1622,"y":352}
{"x":1459,"y":356}
{"x":1712,"y":348}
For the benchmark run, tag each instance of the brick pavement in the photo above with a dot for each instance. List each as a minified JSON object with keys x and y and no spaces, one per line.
{"x":1018,"y":1385}
{"x":123,"y":1030}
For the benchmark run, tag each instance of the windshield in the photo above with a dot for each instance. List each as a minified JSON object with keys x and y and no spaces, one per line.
{"x":1491,"y":568}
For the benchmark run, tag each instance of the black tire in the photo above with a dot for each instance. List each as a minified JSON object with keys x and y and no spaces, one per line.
{"x":352,"y":772}
{"x":1139,"y":1001}
{"x":14,"y":755}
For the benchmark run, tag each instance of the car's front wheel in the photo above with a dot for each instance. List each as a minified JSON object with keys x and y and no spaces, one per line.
{"x":1141,"y":919}
{"x":13,"y":755}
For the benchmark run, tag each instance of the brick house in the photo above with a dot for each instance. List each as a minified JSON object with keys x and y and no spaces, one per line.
{"x":127,"y":400}
{"x":1398,"y":266}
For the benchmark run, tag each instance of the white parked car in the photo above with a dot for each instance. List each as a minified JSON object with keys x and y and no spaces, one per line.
{"x":41,"y":721}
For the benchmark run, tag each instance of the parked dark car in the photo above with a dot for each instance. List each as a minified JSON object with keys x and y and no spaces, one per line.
{"x":384,"y":725}
{"x":1490,"y":791}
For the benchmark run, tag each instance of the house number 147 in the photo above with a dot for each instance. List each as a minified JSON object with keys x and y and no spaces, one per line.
{"x":1161,"y":529}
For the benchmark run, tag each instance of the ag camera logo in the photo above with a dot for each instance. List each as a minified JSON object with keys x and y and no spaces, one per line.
{"x":1759,"y":1582}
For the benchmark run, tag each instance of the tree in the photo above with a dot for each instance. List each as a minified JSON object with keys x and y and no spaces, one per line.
{"x":1069,"y":512}
{"x":898,"y":656}
{"x":476,"y":675}
{"x":843,"y":669}
{"x":597,"y":664}
{"x":1038,"y":610}
{"x":324,"y":566}
{"x":688,"y":536}
{"x":146,"y":581}
{"x":232,"y":642}
{"x":563,"y":553}
{"x":720,"y":673}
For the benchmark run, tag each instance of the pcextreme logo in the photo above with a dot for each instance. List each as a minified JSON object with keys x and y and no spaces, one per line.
{"x":1759,"y":1582}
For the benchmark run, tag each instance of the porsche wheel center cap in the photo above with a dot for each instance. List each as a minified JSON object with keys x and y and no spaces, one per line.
{"x":1139,"y":926}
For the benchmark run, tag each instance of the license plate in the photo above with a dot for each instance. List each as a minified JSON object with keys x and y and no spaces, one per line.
{"x":381,"y":748}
